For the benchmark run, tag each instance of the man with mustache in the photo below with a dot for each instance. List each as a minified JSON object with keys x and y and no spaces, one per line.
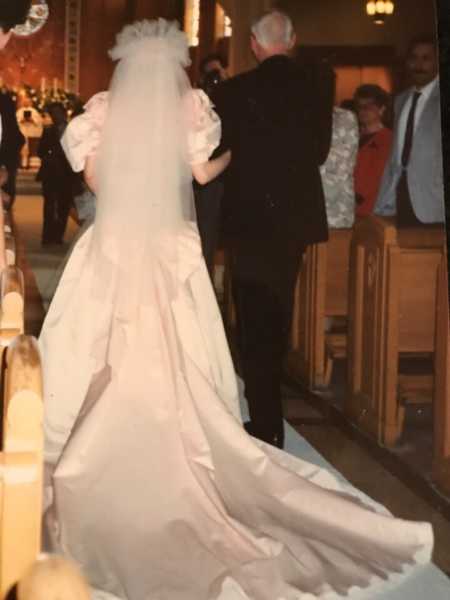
{"x":412,"y":184}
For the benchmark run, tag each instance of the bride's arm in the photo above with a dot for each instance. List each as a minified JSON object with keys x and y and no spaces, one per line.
{"x":207,"y":171}
{"x":89,"y":173}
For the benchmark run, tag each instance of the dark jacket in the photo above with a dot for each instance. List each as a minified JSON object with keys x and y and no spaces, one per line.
{"x":12,"y":139}
{"x":277,"y":123}
{"x":54,"y":164}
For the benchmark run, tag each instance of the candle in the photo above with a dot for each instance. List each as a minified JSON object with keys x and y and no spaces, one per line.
{"x":55,"y":84}
{"x":43,"y":82}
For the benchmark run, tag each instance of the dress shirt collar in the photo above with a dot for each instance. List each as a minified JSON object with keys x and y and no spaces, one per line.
{"x":427,"y":90}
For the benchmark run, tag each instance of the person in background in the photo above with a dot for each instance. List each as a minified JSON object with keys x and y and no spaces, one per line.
{"x":412,"y":186}
{"x":372,"y":106}
{"x":31,"y":125}
{"x":337,"y":171}
{"x":212,"y":63}
{"x":10,"y":146}
{"x":208,"y":198}
{"x":348,"y":104}
{"x":56,"y":176}
{"x":12,"y":13}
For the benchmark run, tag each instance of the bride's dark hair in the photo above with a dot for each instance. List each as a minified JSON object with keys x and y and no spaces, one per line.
{"x":13,"y":12}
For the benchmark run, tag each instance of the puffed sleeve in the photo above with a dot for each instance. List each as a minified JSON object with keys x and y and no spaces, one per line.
{"x":82,"y":135}
{"x":204,"y":129}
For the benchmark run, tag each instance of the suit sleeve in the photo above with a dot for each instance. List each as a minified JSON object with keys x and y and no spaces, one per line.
{"x":385,"y":202}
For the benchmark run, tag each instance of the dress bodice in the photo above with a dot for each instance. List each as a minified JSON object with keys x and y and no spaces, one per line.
{"x":83,"y":134}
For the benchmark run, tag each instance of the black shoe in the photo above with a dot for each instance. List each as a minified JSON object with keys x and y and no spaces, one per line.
{"x":248,"y":427}
{"x":273,"y":439}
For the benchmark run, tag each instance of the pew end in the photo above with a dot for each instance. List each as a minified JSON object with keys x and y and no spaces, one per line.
{"x":7,"y":222}
{"x":52,"y":578}
{"x":21,"y":460}
{"x":10,"y":250}
{"x":12,"y":291}
{"x":321,"y":293}
{"x":392,"y":315}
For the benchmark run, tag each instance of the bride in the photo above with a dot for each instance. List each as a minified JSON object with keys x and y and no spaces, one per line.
{"x":156,"y":490}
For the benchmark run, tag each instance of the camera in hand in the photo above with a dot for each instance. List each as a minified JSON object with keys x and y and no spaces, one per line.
{"x":210,"y":81}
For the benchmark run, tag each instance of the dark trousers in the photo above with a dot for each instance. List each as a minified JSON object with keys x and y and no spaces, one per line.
{"x":10,"y":187}
{"x":58,"y":199}
{"x":406,"y":217}
{"x":208,"y":199}
{"x":263,"y":281}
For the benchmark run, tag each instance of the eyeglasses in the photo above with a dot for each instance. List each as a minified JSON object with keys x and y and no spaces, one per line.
{"x":366,"y":104}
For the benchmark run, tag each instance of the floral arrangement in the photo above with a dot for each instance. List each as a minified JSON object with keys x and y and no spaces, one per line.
{"x":41,"y":98}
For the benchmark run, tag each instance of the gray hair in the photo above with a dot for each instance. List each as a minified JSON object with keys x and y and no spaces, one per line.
{"x":274,"y":28}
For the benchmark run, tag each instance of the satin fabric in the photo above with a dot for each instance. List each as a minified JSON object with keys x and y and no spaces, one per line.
{"x":159,"y":493}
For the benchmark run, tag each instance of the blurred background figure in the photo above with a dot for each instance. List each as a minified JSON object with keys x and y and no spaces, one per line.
{"x":337,"y":171}
{"x":412,"y":187}
{"x":12,"y":13}
{"x":372,"y":108}
{"x":208,"y":198}
{"x":12,"y":141}
{"x":31,"y":126}
{"x":56,"y":176}
{"x":348,"y":104}
{"x":213,"y":69}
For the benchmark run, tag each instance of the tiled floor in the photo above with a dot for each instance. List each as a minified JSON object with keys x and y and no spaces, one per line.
{"x":353,"y":459}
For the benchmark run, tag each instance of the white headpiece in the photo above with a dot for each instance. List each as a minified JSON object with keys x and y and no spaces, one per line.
{"x":160,"y":37}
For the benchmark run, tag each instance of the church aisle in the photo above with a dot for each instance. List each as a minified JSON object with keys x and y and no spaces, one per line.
{"x":43,"y":262}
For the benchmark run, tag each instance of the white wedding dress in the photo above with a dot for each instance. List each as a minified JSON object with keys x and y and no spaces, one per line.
{"x":158,"y":492}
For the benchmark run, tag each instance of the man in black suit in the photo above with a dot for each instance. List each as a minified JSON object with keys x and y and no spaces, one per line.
{"x":277,"y":123}
{"x":56,"y":176}
{"x":11,"y":143}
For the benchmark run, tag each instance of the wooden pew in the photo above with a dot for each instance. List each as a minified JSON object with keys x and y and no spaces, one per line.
{"x":321,"y":294}
{"x":7,"y":222}
{"x":10,"y":243}
{"x":10,"y":249}
{"x":53,"y":578}
{"x":441,"y":433}
{"x":21,"y":460}
{"x":12,"y":296}
{"x":392,"y":311}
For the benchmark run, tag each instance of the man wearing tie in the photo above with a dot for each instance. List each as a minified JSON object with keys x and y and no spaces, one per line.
{"x":412,"y":184}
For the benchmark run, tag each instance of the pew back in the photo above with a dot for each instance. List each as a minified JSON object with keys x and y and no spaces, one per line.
{"x":393,"y":298}
{"x":321,"y":293}
{"x":21,"y":461}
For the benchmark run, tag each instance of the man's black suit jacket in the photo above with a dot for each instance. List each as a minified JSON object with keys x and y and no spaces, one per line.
{"x":277,"y":123}
{"x":12,"y":139}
